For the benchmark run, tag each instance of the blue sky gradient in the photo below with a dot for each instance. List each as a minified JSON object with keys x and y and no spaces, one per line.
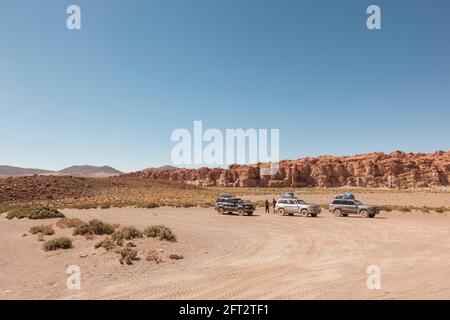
{"x":113,"y":92}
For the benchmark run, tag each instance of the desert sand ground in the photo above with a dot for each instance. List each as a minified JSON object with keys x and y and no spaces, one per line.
{"x":264,"y":256}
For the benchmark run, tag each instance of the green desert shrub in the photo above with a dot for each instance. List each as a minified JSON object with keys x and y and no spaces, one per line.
{"x":160,"y":231}
{"x":99,"y":227}
{"x":45,"y":230}
{"x":82,"y":230}
{"x":58,"y":243}
{"x":127,"y":256}
{"x":31,"y":212}
{"x":94,"y":227}
{"x":130,"y":232}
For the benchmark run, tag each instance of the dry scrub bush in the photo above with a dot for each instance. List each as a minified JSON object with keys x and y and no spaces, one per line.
{"x":45,"y":230}
{"x":34,"y":213}
{"x":58,"y":243}
{"x":107,"y":244}
{"x":127,"y":256}
{"x":130,"y":232}
{"x":153,"y":255}
{"x":161,"y":232}
{"x":70,"y":223}
{"x":94,"y":227}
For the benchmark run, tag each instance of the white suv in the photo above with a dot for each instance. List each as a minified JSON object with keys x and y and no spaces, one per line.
{"x":292,"y":206}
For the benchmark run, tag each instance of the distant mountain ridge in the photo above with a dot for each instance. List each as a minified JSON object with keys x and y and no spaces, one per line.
{"x":76,"y":171}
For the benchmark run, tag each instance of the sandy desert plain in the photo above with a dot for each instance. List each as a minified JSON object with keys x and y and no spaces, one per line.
{"x":264,"y":256}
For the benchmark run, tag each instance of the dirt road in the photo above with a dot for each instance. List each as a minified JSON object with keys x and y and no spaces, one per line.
{"x":230,"y":257}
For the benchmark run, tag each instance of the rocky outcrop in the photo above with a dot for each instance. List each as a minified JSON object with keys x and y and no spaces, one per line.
{"x":374,"y":170}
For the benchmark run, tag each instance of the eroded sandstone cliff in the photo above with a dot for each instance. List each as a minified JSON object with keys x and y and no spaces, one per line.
{"x":395,"y":170}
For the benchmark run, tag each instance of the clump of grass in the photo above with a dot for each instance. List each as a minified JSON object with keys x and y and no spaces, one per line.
{"x":3,"y":209}
{"x":386,"y":208}
{"x":127,"y":256}
{"x":94,"y":227}
{"x":45,"y":230}
{"x":82,"y":230}
{"x":404,"y":209}
{"x":160,"y":231}
{"x":148,"y":205}
{"x":439,"y":210}
{"x":105,"y":206}
{"x":108,"y":244}
{"x":31,"y":212}
{"x":130,"y":232}
{"x":99,"y":227}
{"x":70,"y":223}
{"x":58,"y":243}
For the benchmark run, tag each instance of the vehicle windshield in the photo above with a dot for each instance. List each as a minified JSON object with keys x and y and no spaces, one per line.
{"x":358,"y":203}
{"x":301,"y":202}
{"x":237,"y":200}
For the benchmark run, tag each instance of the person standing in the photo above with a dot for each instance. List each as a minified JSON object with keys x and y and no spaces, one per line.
{"x":274,"y":203}
{"x":267,"y":206}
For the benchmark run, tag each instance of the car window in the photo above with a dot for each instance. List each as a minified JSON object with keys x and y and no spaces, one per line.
{"x":301,"y":201}
{"x":349,"y":203}
{"x":292,"y":202}
{"x":337,"y":202}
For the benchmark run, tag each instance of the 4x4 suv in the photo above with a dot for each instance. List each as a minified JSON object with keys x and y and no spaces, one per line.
{"x":344,"y":207}
{"x":291,"y":206}
{"x":227,"y":204}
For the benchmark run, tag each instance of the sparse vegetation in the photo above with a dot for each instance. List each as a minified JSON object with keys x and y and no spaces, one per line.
{"x":70,"y":223}
{"x":45,"y":230}
{"x":127,"y":256}
{"x":58,"y":243}
{"x":160,"y":231}
{"x":94,"y":227}
{"x":98,"y":227}
{"x":148,"y":205}
{"x":129,"y":233}
{"x":108,"y":244}
{"x":32,"y":212}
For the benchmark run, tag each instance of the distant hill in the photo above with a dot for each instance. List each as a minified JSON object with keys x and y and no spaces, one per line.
{"x":89,"y":171}
{"x":77,"y":171}
{"x":9,"y":171}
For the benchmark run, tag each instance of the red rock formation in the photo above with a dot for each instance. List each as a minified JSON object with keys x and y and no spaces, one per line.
{"x":395,"y":170}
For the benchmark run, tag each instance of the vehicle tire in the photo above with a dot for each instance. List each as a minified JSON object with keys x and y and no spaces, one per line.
{"x":337,"y":213}
{"x":281,"y":212}
{"x":240,"y":212}
{"x":220,"y":211}
{"x":364,"y":213}
{"x":371,"y":216}
{"x":304,"y":213}
{"x":313,"y":215}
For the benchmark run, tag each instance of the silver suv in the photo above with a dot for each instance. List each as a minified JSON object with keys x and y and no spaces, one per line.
{"x":292,"y":206}
{"x":344,"y":207}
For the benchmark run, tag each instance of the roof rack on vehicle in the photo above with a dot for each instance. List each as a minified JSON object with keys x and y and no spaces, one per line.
{"x":345,"y":196}
{"x":289,"y":195}
{"x":225,"y":195}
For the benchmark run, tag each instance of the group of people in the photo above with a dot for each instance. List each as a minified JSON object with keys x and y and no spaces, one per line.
{"x":267,"y":205}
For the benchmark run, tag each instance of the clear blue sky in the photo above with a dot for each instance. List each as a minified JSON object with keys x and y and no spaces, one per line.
{"x":113,"y":92}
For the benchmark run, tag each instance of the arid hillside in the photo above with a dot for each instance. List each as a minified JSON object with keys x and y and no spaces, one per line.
{"x":373,"y":170}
